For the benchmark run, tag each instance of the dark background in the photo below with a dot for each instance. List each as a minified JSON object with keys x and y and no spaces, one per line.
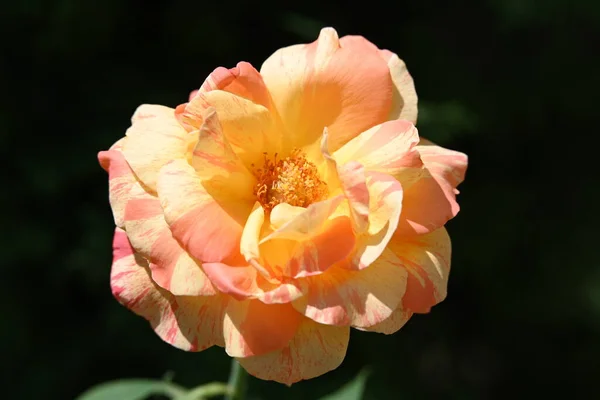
{"x":512,"y":83}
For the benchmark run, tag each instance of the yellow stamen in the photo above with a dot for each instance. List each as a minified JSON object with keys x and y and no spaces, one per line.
{"x":293,"y":180}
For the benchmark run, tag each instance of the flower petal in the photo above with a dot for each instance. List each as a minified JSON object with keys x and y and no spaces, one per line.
{"x":357,"y":298}
{"x":120,"y":181}
{"x":244,"y":282}
{"x":385,"y":205}
{"x":393,"y":323}
{"x":243,"y":80}
{"x":404,"y":103}
{"x":431,"y":201}
{"x":203,"y":216}
{"x":155,"y":138}
{"x":189,"y":323}
{"x":427,"y":259}
{"x":328,"y":84}
{"x":252,"y":328}
{"x":172,"y":268}
{"x":320,"y":241}
{"x":314,"y":350}
{"x":389,"y":148}
{"x":250,"y":128}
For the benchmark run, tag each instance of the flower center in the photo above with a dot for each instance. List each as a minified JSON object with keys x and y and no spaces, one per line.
{"x":293,"y":180}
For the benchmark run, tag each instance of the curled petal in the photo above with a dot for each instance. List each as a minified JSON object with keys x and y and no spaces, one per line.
{"x":189,"y":323}
{"x":171,"y":267}
{"x":393,"y":323}
{"x":253,"y":328}
{"x":404,"y":101}
{"x":243,"y":80}
{"x":120,"y":181}
{"x":427,"y":260}
{"x":244,"y":282}
{"x":339,"y":85}
{"x":357,"y":298}
{"x":155,"y":138}
{"x":354,"y":185}
{"x":389,"y":148}
{"x":203,"y":217}
{"x":314,"y":350}
{"x":431,"y":201}
{"x":385,"y":205}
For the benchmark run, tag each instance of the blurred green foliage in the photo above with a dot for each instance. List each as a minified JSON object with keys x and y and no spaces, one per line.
{"x":513,"y":83}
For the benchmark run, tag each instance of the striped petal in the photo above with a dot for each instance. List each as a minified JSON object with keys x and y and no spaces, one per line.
{"x":329,"y":84}
{"x":120,"y":180}
{"x":189,"y":323}
{"x":385,"y":205}
{"x":427,"y":260}
{"x":393,"y":323}
{"x":431,"y":201}
{"x":253,"y":328}
{"x":155,"y":138}
{"x":314,"y":350}
{"x":389,"y":148}
{"x":172,"y":267}
{"x":204,"y":217}
{"x":404,"y":101}
{"x":357,"y":298}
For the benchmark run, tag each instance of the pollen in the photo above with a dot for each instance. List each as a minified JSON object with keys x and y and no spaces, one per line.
{"x":293,"y":180}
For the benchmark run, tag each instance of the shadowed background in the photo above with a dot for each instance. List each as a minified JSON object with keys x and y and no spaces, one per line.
{"x":509,"y":82}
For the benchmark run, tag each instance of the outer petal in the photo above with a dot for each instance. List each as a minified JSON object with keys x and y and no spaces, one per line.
{"x":203,"y":217}
{"x":189,"y":323}
{"x":385,"y":205}
{"x":120,"y":180}
{"x":389,"y":148}
{"x":358,"y":298}
{"x":155,"y":138}
{"x":445,"y":164}
{"x":172,"y":268}
{"x":393,"y":323}
{"x":328,"y":84}
{"x":314,"y":350}
{"x":253,"y":328}
{"x":427,"y":259}
{"x":404,"y":104}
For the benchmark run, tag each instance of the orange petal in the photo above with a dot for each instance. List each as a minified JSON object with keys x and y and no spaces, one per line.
{"x":172,"y":268}
{"x":252,"y":328}
{"x":321,"y":241}
{"x":357,"y":298}
{"x":203,"y":217}
{"x":431,"y":201}
{"x":389,"y":148}
{"x":120,"y":181}
{"x":243,"y":80}
{"x":427,"y":259}
{"x":328,"y":84}
{"x":404,"y":103}
{"x":155,"y":138}
{"x":385,"y":205}
{"x":189,"y":323}
{"x":244,"y":282}
{"x":314,"y":350}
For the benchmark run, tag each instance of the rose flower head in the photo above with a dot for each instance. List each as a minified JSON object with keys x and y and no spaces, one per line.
{"x":276,"y":209}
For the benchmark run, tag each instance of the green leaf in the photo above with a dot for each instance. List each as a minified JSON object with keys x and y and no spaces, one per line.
{"x":352,"y":390}
{"x":131,"y":389}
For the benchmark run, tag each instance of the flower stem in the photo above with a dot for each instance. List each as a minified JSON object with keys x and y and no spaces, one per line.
{"x":238,"y":381}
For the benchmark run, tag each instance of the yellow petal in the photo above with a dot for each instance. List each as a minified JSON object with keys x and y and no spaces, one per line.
{"x":155,"y":138}
{"x":314,"y":350}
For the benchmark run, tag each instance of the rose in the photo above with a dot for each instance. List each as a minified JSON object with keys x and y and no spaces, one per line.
{"x":275,"y":210}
